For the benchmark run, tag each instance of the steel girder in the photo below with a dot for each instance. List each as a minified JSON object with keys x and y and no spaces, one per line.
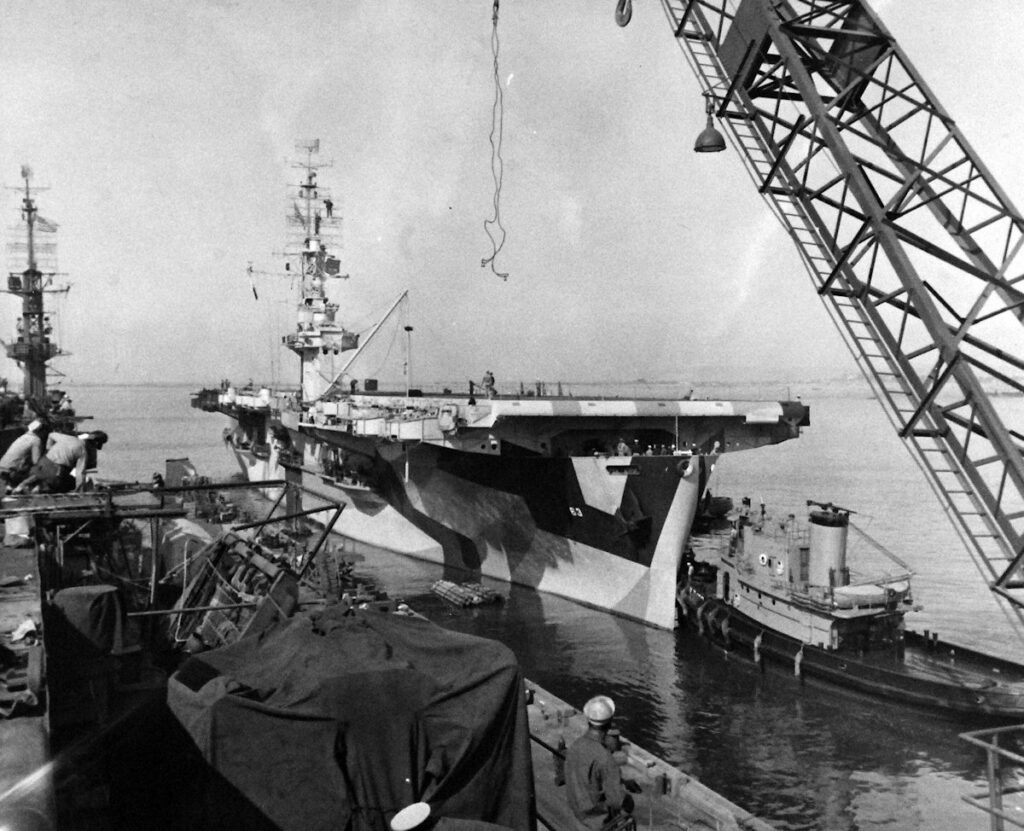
{"x":909,"y":240}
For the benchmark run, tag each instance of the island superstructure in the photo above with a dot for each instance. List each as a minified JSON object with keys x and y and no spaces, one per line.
{"x":589,"y":498}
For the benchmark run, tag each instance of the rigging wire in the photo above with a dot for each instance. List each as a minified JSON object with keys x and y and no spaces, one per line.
{"x":371,"y":318}
{"x":273,"y":320}
{"x":383,"y":361}
{"x":497,"y":164}
{"x":881,"y":549}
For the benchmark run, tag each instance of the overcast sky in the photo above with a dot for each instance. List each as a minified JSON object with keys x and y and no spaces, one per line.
{"x":163,"y":130}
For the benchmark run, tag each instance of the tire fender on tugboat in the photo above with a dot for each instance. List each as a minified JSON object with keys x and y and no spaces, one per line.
{"x":703,"y":618}
{"x":686,"y":467}
{"x":724,"y":628}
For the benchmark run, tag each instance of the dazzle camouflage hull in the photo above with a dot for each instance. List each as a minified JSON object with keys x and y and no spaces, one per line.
{"x":522,"y":491}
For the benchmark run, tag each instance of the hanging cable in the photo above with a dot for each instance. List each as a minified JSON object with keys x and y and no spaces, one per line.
{"x":252,"y":282}
{"x":624,"y":12}
{"x":387,"y":355}
{"x":497,"y":165}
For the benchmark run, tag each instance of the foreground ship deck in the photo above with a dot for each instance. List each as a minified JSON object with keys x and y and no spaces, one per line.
{"x":120,"y":720}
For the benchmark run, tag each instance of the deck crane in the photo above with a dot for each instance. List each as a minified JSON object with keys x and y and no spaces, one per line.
{"x":910,"y":241}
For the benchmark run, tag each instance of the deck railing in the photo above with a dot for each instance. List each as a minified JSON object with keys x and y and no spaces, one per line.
{"x":1003,"y":801}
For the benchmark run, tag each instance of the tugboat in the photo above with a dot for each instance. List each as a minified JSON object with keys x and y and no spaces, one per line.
{"x":589,"y":498}
{"x":31,"y":277}
{"x":781,"y":592}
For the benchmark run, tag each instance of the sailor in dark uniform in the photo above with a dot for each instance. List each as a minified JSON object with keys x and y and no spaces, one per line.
{"x":594,"y":787}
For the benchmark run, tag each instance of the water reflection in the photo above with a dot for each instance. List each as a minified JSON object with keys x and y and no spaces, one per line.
{"x":801,"y":756}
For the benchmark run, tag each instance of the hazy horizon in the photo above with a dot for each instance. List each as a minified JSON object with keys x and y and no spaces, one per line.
{"x":629,"y":256}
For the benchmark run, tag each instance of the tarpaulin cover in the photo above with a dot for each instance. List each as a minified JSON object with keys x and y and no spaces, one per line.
{"x":85,"y":622}
{"x":338,"y":721}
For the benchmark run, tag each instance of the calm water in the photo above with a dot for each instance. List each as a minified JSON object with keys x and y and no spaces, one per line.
{"x":801,"y":757}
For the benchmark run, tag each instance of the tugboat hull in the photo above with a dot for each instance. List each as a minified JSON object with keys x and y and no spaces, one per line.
{"x":919,"y":671}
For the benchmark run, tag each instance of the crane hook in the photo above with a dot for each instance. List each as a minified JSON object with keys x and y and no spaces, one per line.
{"x":624,"y":12}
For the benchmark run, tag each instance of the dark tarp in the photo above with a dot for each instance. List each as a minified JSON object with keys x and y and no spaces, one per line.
{"x":85,"y":624}
{"x":338,"y":721}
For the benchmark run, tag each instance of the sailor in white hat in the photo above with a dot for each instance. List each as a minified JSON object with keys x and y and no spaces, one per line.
{"x":599,"y":711}
{"x":593,"y":783}
{"x":24,"y":452}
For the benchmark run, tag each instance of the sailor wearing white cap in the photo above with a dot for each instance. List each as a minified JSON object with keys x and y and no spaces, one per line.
{"x":594,"y":786}
{"x":599,"y":710}
{"x":24,"y":452}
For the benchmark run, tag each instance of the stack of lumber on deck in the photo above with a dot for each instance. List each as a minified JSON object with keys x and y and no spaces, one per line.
{"x":465,"y":594}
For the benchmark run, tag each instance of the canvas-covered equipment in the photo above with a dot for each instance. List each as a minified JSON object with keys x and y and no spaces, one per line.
{"x":339,"y":720}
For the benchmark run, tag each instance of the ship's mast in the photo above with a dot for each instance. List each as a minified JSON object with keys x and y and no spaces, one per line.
{"x":313,"y":247}
{"x":318,"y":337}
{"x":32,"y":348}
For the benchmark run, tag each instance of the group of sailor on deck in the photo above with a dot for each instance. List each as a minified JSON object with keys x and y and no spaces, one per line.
{"x":60,"y":468}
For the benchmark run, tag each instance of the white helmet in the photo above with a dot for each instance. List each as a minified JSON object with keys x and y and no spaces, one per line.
{"x":599,"y":710}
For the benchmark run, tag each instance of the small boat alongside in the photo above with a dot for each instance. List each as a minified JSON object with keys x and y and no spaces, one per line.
{"x":783,"y":592}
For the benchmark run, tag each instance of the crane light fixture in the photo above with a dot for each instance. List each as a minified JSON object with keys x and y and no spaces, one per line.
{"x":709,"y":140}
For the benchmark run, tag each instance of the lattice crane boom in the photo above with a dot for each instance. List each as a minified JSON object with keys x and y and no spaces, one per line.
{"x":911,"y":243}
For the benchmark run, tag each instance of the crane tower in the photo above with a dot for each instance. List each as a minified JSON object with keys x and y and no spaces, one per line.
{"x":911,"y":243}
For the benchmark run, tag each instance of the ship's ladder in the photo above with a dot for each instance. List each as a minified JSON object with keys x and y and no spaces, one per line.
{"x":885,"y":200}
